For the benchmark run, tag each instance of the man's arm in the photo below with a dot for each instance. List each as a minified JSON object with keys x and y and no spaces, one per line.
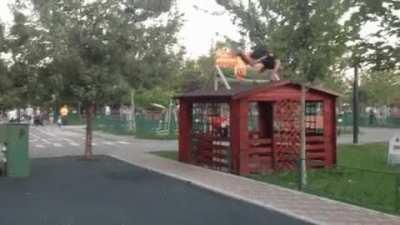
{"x":246,"y":59}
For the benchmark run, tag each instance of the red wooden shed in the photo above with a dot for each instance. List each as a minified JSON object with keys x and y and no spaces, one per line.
{"x":256,"y":128}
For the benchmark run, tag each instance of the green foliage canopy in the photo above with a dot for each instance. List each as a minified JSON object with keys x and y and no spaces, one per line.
{"x":306,"y":35}
{"x":94,"y":52}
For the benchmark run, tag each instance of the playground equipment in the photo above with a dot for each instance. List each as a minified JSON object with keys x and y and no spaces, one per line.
{"x":256,"y":128}
{"x":14,"y":156}
{"x":170,"y":117}
{"x":226,"y":58}
{"x":166,"y":123}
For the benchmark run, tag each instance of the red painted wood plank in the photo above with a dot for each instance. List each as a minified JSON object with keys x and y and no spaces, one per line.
{"x":235,"y":134}
{"x":328,"y":134}
{"x":334,"y":132}
{"x":260,"y":160}
{"x":260,"y":150}
{"x":311,"y":139}
{"x":311,"y":147}
{"x":260,"y":141}
{"x":313,"y":155}
{"x":244,"y":136}
{"x":185,"y":127}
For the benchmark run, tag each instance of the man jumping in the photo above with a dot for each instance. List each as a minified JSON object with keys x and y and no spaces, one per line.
{"x":262,"y":60}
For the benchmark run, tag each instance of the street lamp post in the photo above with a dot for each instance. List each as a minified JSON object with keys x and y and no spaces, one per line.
{"x":355,"y":106}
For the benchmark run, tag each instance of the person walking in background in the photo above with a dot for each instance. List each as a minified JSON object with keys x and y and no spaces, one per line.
{"x":63,"y":114}
{"x":371,"y":117}
{"x":59,"y":122}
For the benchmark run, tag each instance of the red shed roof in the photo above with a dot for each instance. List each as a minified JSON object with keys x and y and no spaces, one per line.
{"x":244,"y":90}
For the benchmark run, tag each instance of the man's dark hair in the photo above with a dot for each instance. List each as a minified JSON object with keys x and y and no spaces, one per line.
{"x":267,"y":60}
{"x":258,"y":52}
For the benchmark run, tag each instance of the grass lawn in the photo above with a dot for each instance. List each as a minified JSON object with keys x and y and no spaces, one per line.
{"x":367,"y":156}
{"x":361,"y":177}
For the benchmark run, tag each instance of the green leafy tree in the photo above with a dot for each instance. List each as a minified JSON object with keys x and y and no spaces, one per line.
{"x":157,"y":95}
{"x":306,"y":35}
{"x":25,"y":60}
{"x":189,"y":77}
{"x":96,"y":51}
{"x":381,"y":88}
{"x":5,"y":82}
{"x":378,"y":53}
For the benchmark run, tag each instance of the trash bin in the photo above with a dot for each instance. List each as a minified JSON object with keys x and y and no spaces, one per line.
{"x":14,"y":139}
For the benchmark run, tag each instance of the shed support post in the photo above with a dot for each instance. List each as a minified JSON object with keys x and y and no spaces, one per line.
{"x":329,"y":132}
{"x":223,"y":78}
{"x":334,"y":133}
{"x":239,"y":136}
{"x":185,"y":128}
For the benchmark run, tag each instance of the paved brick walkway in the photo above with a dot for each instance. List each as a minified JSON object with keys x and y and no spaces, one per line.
{"x":300,"y":205}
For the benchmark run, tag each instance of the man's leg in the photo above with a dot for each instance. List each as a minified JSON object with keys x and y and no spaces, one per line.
{"x":275,"y":76}
{"x":247,"y":59}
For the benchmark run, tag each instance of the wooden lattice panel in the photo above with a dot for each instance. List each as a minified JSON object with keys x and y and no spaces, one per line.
{"x":287,"y":134}
{"x":210,"y":134}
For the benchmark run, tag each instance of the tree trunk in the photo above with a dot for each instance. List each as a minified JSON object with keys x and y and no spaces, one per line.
{"x":79,"y":110}
{"x":303,"y":157}
{"x":89,"y":131}
{"x":18,"y":115}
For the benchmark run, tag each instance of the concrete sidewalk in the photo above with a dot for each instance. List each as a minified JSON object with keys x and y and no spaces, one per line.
{"x":147,"y":145}
{"x":307,"y":207}
{"x":370,"y":135}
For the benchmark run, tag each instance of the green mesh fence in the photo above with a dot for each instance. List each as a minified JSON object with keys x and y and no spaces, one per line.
{"x":114,"y":125}
{"x":370,"y":121}
{"x":74,"y":119}
{"x":156,"y":129}
{"x":153,"y":129}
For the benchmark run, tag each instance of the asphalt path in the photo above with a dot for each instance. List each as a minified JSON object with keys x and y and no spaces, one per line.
{"x":70,"y":191}
{"x":52,"y":141}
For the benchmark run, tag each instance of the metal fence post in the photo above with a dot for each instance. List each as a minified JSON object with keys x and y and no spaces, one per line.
{"x":397,"y":198}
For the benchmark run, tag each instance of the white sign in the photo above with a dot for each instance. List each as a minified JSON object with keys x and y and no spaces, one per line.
{"x":394,"y":151}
